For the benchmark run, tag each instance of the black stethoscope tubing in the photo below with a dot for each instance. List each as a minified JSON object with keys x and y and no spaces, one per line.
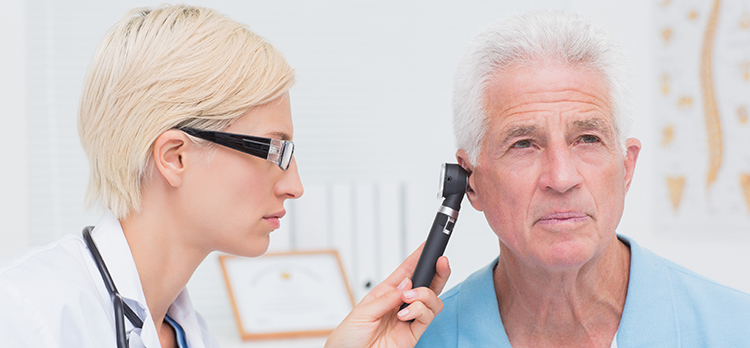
{"x":122,"y":310}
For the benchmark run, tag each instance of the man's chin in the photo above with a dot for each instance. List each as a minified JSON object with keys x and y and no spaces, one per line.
{"x":569,"y":254}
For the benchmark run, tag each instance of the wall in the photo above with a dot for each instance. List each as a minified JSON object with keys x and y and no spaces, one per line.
{"x":14,"y":182}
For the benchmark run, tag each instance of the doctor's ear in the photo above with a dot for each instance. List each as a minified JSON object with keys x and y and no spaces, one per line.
{"x":169,"y":156}
{"x":463,"y":160}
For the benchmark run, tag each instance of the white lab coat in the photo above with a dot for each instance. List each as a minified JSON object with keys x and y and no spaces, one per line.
{"x":54,"y":296}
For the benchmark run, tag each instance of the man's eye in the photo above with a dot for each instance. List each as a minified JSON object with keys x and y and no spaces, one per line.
{"x":522,"y":144}
{"x":589,"y":139}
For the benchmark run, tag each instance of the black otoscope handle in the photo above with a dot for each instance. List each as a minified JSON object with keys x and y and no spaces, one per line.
{"x":434,"y":247}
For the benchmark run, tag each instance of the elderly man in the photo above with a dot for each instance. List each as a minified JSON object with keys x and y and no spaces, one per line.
{"x":540,"y":114}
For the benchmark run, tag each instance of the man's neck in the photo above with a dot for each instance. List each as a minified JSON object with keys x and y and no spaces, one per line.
{"x":577,"y":307}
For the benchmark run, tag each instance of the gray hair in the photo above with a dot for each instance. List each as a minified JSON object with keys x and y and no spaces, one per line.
{"x":535,"y":37}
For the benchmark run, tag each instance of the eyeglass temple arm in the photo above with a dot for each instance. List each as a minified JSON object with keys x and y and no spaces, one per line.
{"x":255,"y":147}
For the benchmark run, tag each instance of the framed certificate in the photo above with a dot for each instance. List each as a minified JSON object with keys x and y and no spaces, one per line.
{"x":285,"y":295}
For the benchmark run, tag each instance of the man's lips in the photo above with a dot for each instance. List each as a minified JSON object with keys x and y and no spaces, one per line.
{"x":564,"y":217}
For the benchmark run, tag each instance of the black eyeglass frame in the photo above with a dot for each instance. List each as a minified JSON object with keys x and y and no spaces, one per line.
{"x":274,"y":150}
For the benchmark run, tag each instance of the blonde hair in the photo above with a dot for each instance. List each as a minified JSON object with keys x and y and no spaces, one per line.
{"x":163,"y":68}
{"x":535,"y":37}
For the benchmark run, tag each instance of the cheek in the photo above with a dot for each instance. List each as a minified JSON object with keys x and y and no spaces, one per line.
{"x":245,"y":193}
{"x":608,"y":190}
{"x":504,"y":196}
{"x":232,"y":191}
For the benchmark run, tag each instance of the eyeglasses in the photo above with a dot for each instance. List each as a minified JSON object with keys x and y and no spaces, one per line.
{"x":274,"y":150}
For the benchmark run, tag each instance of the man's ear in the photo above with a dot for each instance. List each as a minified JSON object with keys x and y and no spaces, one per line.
{"x":463,"y":160}
{"x":633,"y":147}
{"x":169,"y":152}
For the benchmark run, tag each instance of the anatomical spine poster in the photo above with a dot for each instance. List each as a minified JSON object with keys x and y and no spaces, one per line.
{"x":702,"y":112}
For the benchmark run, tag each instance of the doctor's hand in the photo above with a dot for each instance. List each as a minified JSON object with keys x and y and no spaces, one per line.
{"x":377,"y":321}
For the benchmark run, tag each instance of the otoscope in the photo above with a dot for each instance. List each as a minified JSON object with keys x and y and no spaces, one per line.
{"x":452,"y":188}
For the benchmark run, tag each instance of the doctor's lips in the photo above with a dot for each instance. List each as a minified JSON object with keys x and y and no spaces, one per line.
{"x":562,"y":217}
{"x":274,"y":218}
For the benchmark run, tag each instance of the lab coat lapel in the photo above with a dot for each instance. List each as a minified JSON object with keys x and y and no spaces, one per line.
{"x":111,"y":242}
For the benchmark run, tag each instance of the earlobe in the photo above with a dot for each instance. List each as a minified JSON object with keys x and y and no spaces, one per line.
{"x":463,"y":161}
{"x":169,"y":150}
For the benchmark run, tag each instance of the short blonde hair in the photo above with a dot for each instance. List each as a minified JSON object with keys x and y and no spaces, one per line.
{"x":163,"y":68}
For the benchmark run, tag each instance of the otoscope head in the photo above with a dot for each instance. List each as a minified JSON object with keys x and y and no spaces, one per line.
{"x":452,"y":180}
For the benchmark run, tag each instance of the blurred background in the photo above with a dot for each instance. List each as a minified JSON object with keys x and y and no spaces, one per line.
{"x":372,"y":118}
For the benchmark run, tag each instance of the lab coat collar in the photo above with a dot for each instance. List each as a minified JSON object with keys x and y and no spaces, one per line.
{"x":115,"y":251}
{"x":110,"y":240}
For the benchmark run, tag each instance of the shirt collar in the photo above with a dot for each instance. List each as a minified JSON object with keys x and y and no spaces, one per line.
{"x":649,"y":318}
{"x":478,"y":316}
{"x":182,"y":312}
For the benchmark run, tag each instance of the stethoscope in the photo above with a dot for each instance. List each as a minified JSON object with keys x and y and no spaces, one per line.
{"x":122,"y":310}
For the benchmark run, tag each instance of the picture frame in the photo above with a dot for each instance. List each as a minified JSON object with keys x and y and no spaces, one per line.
{"x":286,"y":295}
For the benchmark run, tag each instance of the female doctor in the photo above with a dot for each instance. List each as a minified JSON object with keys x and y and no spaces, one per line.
{"x":186,"y":122}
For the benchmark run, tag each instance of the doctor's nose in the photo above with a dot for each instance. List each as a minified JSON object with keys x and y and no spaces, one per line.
{"x":290,"y":185}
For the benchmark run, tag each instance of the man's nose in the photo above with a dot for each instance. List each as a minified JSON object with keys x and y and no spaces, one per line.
{"x":560,"y":171}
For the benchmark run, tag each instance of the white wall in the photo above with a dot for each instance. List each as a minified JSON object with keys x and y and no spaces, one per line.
{"x":14,"y":172}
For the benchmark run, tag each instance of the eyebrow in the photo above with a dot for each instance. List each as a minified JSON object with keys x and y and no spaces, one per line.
{"x":518,"y":131}
{"x":279,"y":134}
{"x":590,"y":124}
{"x":593,"y":124}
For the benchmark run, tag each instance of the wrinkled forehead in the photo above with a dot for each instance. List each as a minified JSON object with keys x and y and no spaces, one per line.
{"x":522,"y":83}
{"x":519,"y":88}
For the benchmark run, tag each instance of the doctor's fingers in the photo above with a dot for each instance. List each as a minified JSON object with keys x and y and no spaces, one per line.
{"x":421,"y":299}
{"x":422,"y":309}
{"x":373,"y":308}
{"x":403,"y":271}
